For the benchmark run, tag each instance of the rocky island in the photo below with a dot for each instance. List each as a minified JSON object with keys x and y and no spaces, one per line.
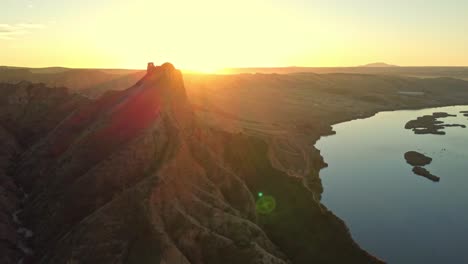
{"x":425,"y":173}
{"x":429,"y":124}
{"x":415,"y":158}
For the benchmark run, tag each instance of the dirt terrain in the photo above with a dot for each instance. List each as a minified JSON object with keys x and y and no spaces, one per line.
{"x":136,"y":177}
{"x":171,"y":169}
{"x":292,"y":111}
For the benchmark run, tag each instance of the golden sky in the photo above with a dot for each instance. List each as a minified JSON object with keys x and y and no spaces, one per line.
{"x":207,"y":34}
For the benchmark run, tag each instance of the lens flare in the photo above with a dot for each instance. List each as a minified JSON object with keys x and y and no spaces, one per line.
{"x":265,"y":204}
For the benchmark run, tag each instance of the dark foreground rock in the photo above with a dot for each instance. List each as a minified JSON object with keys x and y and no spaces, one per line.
{"x":415,"y":158}
{"x":425,"y":173}
{"x":27,"y":112}
{"x":429,"y":124}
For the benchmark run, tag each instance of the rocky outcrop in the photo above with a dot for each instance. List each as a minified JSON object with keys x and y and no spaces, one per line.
{"x":134,"y":178}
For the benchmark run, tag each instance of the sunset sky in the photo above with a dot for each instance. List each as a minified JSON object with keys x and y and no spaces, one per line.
{"x":212,"y":34}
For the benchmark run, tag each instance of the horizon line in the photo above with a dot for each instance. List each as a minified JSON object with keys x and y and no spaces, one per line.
{"x":244,"y":67}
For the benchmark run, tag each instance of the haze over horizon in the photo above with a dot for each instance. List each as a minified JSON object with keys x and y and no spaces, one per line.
{"x":207,"y":35}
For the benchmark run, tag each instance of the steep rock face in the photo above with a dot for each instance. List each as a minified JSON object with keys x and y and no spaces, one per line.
{"x":27,"y":112}
{"x":133,"y":178}
{"x":10,"y":196}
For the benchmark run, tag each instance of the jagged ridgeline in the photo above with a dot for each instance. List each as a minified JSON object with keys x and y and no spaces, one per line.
{"x":133,"y":177}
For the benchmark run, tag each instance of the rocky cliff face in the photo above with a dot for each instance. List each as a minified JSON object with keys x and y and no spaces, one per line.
{"x":10,"y":200}
{"x":134,"y":178}
{"x":27,"y":112}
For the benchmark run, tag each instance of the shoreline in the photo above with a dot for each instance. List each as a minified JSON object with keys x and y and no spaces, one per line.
{"x":386,"y":111}
{"x":332,"y":132}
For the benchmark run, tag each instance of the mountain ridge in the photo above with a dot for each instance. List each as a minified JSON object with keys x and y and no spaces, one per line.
{"x":133,"y":177}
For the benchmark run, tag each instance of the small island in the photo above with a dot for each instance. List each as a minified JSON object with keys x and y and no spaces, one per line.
{"x":425,"y":173}
{"x":465,"y":113}
{"x":429,"y":124}
{"x":415,"y":158}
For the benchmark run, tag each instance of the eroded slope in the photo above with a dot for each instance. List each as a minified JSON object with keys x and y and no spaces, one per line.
{"x":134,"y":178}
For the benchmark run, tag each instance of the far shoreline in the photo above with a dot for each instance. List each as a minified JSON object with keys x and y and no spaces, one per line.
{"x":384,"y":111}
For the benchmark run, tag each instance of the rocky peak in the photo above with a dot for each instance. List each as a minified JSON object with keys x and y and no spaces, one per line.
{"x":169,"y":83}
{"x":150,"y":67}
{"x":120,"y":117}
{"x":164,"y":67}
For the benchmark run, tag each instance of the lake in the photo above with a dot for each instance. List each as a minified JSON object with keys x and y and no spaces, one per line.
{"x":392,"y":213}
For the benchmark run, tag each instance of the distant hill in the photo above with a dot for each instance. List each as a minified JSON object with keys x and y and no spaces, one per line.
{"x":94,"y":82}
{"x":378,"y":64}
{"x":37,"y":70}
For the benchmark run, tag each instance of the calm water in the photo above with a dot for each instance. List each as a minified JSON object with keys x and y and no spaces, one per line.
{"x":392,"y":213}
